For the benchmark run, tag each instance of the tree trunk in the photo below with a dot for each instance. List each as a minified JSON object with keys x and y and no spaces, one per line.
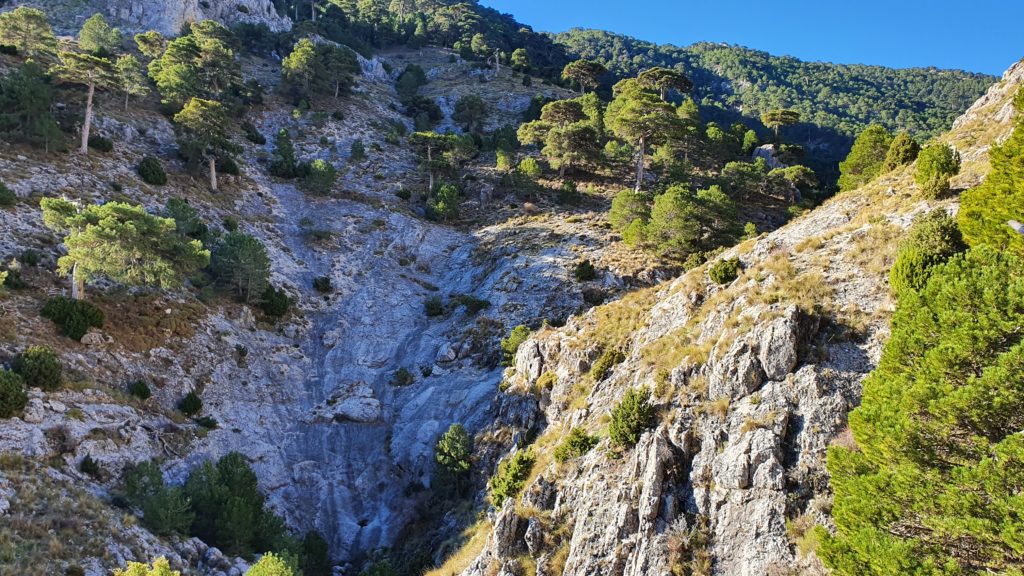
{"x":641,"y":155}
{"x":126,"y":96}
{"x":77,"y":284}
{"x":84,"y":148}
{"x":337,"y":87}
{"x":213,"y":174}
{"x":312,"y":11}
{"x":430,"y":160}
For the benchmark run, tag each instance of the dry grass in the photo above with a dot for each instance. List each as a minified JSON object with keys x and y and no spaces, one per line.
{"x":754,"y":423}
{"x":473,"y":540}
{"x":613,"y":324}
{"x":146,"y":321}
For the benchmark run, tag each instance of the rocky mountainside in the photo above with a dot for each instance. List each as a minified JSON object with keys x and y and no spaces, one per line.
{"x":165,"y":17}
{"x":753,"y":382}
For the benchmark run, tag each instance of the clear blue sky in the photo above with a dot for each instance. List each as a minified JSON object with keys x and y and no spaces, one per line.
{"x":975,"y":35}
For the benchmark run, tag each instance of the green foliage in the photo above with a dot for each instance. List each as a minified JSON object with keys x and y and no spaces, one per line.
{"x":314,"y":557}
{"x":28,"y":30}
{"x":453,"y":454}
{"x":357,"y":152}
{"x":510,"y":345}
{"x":39,"y":367}
{"x":639,"y":116}
{"x":936,"y":164}
{"x":98,"y":37}
{"x":903,"y":150}
{"x":26,"y":103}
{"x":151,"y":44}
{"x":473,"y":304}
{"x":409,"y":81}
{"x":520,"y":60}
{"x":275,"y":302}
{"x":584,"y":73}
{"x":283,"y":163}
{"x":191,"y":404}
{"x":724,"y":271}
{"x":122,"y":242}
{"x":776,"y":119}
{"x":73,"y":317}
{"x":433,"y":306}
{"x":628,"y":206}
{"x":445,"y":203}
{"x":505,"y":160}
{"x":323,"y":285}
{"x":987,"y":210}
{"x":187,"y":221}
{"x":198,"y":65}
{"x":933,"y":239}
{"x":575,"y":445}
{"x":584,"y":271}
{"x":240,"y":263}
{"x":252,"y":134}
{"x":320,"y":178}
{"x":152,"y":171}
{"x":530,"y":168}
{"x":631,"y":417}
{"x":7,"y":196}
{"x":510,"y":477}
{"x":90,"y":467}
{"x":203,"y":135}
{"x":100,"y":144}
{"x":161,"y":567}
{"x":608,"y":360}
{"x":272,"y":565}
{"x":470,"y":113}
{"x":866,"y":158}
{"x":13,"y":397}
{"x":402,"y":377}
{"x":933,"y":483}
{"x":139,"y":389}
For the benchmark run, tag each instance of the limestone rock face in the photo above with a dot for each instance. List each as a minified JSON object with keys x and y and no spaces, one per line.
{"x":166,"y":17}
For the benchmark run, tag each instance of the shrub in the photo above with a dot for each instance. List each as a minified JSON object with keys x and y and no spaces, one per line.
{"x":320,"y":178}
{"x":74,"y":318}
{"x":227,"y":165}
{"x":402,"y":377}
{"x":568,"y":193}
{"x":584,"y":271}
{"x":252,"y":134}
{"x":505,"y":160}
{"x":140,"y":390}
{"x":445,"y":204}
{"x":453,"y":454}
{"x":323,"y":285}
{"x":546,"y":381}
{"x":724,"y":271}
{"x":7,"y":196}
{"x":630,"y":418}
{"x":357,"y":153}
{"x":531,"y":168}
{"x":152,"y":171}
{"x":191,"y":404}
{"x":90,"y":467}
{"x":510,"y":345}
{"x":30,"y":258}
{"x":936,"y":164}
{"x":576,"y":444}
{"x":473,"y":304}
{"x":510,"y":477}
{"x":12,"y":394}
{"x":604,"y":365}
{"x":39,"y":367}
{"x":208,"y":422}
{"x":903,"y":150}
{"x":275,"y":302}
{"x":240,"y":262}
{"x":933,"y":239}
{"x":403,"y":193}
{"x":100,"y":144}
{"x":433,"y":306}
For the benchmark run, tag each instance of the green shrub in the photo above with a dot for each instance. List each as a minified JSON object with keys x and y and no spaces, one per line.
{"x":531,"y":168}
{"x":433,"y":306}
{"x":227,"y":165}
{"x":357,"y":153}
{"x":39,"y":367}
{"x":320,"y":178}
{"x":208,"y":422}
{"x":90,"y":467}
{"x":7,"y":196}
{"x":936,"y":164}
{"x":609,"y":359}
{"x":584,"y":271}
{"x":323,"y":285}
{"x":445,"y":204}
{"x":74,"y":318}
{"x":29,"y":257}
{"x":453,"y":454}
{"x":275,"y":302}
{"x":13,"y":397}
{"x":473,"y":304}
{"x":568,"y":193}
{"x":403,"y":377}
{"x":724,"y":271}
{"x":100,"y":144}
{"x":152,"y":171}
{"x":505,"y":160}
{"x":252,"y":134}
{"x":240,"y":262}
{"x":510,"y":345}
{"x":630,"y":418}
{"x":191,"y":404}
{"x":933,"y":239}
{"x":576,"y":444}
{"x":140,"y":390}
{"x":546,"y":381}
{"x":903,"y":150}
{"x":403,"y":193}
{"x":510,"y":477}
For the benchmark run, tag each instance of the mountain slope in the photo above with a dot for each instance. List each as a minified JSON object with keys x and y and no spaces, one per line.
{"x":752,"y":382}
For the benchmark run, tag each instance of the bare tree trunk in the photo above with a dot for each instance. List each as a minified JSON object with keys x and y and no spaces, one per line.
{"x":77,"y":284}
{"x":642,"y":154}
{"x":126,"y":96}
{"x":213,"y":174}
{"x":312,"y":10}
{"x":337,"y":87}
{"x":84,"y":148}
{"x":430,"y":160}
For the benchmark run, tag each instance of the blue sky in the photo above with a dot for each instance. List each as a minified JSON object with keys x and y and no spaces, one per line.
{"x":977,"y":35}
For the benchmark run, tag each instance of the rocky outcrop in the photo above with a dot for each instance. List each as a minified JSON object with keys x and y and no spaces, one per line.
{"x":168,"y":18}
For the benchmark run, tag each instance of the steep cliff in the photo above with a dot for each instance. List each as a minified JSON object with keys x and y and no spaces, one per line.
{"x":165,"y":17}
{"x":752,"y":381}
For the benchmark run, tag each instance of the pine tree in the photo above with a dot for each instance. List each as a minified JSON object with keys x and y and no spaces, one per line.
{"x":28,"y":30}
{"x":152,"y":44}
{"x":903,"y":150}
{"x":453,"y":454}
{"x":521,"y":60}
{"x":240,"y":262}
{"x":640,"y":117}
{"x":97,"y":37}
{"x":664,"y":80}
{"x":865,"y":159}
{"x":936,"y":164}
{"x":131,"y":79}
{"x":26,"y":99}
{"x":95,"y":74}
{"x":470,"y":113}
{"x":122,"y":242}
{"x":776,"y":119}
{"x":203,"y":127}
{"x":301,"y":66}
{"x":584,"y":73}
{"x":161,"y":567}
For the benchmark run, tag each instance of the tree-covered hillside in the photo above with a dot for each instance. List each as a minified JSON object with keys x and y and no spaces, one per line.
{"x":844,"y":99}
